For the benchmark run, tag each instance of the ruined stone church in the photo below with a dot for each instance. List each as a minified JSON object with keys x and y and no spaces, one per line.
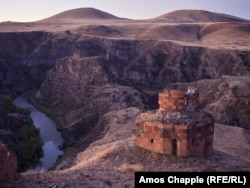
{"x":178,"y":127}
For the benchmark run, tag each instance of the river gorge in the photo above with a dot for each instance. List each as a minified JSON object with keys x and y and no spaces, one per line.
{"x":51,"y":138}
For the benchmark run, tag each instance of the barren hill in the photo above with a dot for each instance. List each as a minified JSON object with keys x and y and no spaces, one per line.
{"x":82,"y":13}
{"x":197,"y":16}
{"x":184,"y":27}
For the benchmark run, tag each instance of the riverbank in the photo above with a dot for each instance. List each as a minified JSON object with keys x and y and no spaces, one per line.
{"x":51,"y":138}
{"x":23,"y":137}
{"x":69,"y":140}
{"x":68,"y":146}
{"x":109,"y":163}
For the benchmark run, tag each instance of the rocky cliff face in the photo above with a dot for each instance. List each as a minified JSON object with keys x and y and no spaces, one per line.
{"x":22,"y":138}
{"x":8,"y":160}
{"x":8,"y":124}
{"x":84,"y":84}
{"x":231,"y":102}
{"x":83,"y":87}
{"x":25,"y":57}
{"x":226,"y":98}
{"x":96,"y":76}
{"x":84,"y":76}
{"x":85,"y":69}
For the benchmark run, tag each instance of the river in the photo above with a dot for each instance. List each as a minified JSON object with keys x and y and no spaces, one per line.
{"x":51,"y":138}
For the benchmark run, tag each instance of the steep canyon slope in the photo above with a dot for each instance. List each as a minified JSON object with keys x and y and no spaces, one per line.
{"x":91,"y":68}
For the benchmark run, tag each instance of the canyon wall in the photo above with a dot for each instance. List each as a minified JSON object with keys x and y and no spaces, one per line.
{"x":226,"y":98}
{"x":25,"y":57}
{"x":82,"y":76}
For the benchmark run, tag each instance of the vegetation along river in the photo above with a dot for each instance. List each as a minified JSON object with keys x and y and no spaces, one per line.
{"x":51,"y":138}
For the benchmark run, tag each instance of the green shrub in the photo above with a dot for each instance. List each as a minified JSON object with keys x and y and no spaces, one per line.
{"x":8,"y":105}
{"x":30,"y":145}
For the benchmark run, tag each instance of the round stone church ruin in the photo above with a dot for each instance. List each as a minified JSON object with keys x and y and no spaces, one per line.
{"x":178,"y":127}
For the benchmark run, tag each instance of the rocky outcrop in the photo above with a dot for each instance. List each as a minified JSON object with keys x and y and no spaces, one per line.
{"x":9,"y":124}
{"x":8,"y":167}
{"x":226,"y":98}
{"x":26,"y":56}
{"x":86,"y":70}
{"x":166,"y":62}
{"x":78,"y":91}
{"x":231,"y":104}
{"x":81,"y":88}
{"x":102,"y":74}
{"x":21,"y":137}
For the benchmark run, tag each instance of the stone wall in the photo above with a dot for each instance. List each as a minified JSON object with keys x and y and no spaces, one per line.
{"x":172,"y":100}
{"x":176,"y":100}
{"x":178,"y":127}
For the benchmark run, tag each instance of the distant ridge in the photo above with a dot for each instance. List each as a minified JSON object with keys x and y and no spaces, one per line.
{"x":178,"y":16}
{"x":197,"y":16}
{"x":82,"y":13}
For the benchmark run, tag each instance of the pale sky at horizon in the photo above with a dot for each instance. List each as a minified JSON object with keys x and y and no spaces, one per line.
{"x":32,"y":10}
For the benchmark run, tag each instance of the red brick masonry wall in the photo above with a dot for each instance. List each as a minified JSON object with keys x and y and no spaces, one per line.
{"x":178,"y":127}
{"x":172,"y":100}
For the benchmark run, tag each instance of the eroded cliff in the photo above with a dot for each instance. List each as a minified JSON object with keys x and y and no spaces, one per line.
{"x":226,"y":98}
{"x":86,"y":69}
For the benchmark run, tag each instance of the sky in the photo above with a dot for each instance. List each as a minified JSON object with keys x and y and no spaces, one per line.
{"x":33,"y":10}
